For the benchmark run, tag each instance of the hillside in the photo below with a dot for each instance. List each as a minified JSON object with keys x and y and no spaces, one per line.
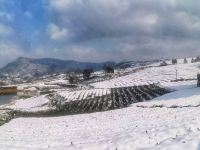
{"x":29,"y":68}
{"x":170,"y":121}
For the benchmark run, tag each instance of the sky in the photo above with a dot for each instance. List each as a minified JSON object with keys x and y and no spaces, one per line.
{"x":99,"y":30}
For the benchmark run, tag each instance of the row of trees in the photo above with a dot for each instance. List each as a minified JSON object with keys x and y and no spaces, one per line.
{"x":194,"y":60}
{"x":175,"y":61}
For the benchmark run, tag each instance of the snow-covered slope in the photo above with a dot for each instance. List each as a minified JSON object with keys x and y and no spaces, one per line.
{"x":180,"y":99}
{"x":130,"y":128}
{"x":170,"y":122}
{"x":163,"y":75}
{"x":33,"y":104}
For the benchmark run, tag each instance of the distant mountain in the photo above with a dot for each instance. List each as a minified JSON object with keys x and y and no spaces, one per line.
{"x":28,"y":67}
{"x":130,"y":64}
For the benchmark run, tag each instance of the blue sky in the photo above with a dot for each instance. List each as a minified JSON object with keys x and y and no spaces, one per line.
{"x":27,"y":20}
{"x":99,"y":30}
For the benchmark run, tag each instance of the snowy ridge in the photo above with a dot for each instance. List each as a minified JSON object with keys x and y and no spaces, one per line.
{"x":30,"y":68}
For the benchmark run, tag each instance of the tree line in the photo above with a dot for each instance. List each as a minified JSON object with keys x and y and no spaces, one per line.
{"x":86,"y":74}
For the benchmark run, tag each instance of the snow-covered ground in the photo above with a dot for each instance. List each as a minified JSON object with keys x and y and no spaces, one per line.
{"x":182,"y":98}
{"x":41,"y":103}
{"x":129,"y":128}
{"x":33,"y":104}
{"x":163,"y":75}
{"x":170,"y":122}
{"x":83,"y":94}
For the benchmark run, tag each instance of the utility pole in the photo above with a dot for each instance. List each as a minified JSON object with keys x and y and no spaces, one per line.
{"x":176,"y":74}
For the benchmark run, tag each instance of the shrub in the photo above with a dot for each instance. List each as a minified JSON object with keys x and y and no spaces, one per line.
{"x":108,"y":69}
{"x":174,"y":61}
{"x":87,"y":73}
{"x":185,"y":61}
{"x":197,"y":59}
{"x":73,"y":77}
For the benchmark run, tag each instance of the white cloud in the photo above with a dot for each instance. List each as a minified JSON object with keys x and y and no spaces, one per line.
{"x":107,"y":18}
{"x":5,"y":30}
{"x":62,"y":5}
{"x":28,"y":14}
{"x":57,"y":33}
{"x":9,"y":52}
{"x":7,"y":16}
{"x":97,"y":30}
{"x":83,"y":54}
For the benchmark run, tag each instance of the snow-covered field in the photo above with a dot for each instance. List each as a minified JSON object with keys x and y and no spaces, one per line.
{"x":83,"y":94}
{"x":41,"y":103}
{"x":171,"y":121}
{"x":128,"y":128}
{"x":163,"y":75}
{"x":33,"y":104}
{"x":182,"y":98}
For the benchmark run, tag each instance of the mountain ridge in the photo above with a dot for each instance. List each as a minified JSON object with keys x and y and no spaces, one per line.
{"x":24,"y":67}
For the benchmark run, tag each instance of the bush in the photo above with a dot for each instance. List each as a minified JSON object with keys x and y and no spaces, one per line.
{"x":87,"y":73}
{"x":108,"y":69}
{"x":197,"y":59}
{"x":185,"y":61}
{"x":72,"y":77}
{"x":174,"y":61}
{"x":192,"y":61}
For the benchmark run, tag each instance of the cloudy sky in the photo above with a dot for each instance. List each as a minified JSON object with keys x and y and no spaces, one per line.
{"x":99,"y":30}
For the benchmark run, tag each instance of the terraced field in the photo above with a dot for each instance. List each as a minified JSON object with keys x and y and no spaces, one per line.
{"x":104,"y":99}
{"x":83,"y":101}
